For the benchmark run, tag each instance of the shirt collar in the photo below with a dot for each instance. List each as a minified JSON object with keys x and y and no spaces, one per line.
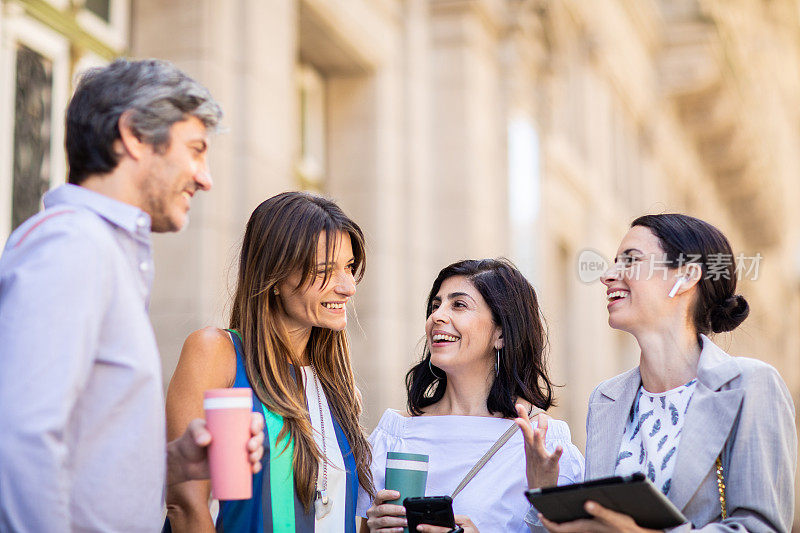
{"x":715,"y":367}
{"x":128,"y":217}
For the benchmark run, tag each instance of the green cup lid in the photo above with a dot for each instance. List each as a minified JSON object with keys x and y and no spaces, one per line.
{"x":407,"y":456}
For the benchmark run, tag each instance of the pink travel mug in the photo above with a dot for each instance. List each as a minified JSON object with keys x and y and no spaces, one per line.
{"x":228,"y":421}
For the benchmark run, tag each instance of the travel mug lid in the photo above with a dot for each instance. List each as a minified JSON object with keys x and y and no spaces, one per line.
{"x":233,"y":398}
{"x":407,"y":461}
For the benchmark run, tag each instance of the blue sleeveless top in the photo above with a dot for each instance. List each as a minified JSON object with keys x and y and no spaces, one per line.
{"x":274,"y":507}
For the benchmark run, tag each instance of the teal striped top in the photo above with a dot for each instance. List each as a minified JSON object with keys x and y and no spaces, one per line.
{"x":275,"y":507}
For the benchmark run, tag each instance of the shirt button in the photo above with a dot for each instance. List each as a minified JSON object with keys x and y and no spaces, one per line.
{"x":144,"y":266}
{"x":141,"y":222}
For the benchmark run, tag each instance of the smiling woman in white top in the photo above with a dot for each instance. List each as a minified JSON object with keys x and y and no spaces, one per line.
{"x":484,"y":353}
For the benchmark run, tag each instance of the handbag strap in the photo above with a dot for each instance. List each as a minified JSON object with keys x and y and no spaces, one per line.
{"x":723,"y":504}
{"x":491,"y":451}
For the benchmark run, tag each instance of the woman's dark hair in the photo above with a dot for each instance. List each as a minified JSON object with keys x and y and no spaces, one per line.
{"x":281,"y":238}
{"x":687,"y":240}
{"x":522,"y":371}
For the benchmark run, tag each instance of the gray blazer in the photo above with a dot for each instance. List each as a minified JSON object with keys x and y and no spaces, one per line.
{"x":740,"y":407}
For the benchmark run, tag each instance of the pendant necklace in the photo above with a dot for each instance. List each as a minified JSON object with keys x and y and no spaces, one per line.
{"x":322,"y":503}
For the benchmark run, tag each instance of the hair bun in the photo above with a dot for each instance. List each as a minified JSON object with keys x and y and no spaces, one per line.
{"x":729,"y":313}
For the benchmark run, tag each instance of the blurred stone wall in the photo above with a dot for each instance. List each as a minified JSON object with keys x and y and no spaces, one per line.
{"x":534,"y":129}
{"x":476,"y":128}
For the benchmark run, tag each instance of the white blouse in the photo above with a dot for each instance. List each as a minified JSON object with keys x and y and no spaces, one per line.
{"x":652,"y":434}
{"x":494,"y":499}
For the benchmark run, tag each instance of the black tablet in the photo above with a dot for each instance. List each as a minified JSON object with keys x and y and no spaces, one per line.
{"x":632,"y":495}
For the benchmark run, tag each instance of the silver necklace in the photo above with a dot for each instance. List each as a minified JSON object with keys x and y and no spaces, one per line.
{"x":323,"y":503}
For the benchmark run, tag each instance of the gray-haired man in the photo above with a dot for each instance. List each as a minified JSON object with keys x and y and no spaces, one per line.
{"x":82,"y":438}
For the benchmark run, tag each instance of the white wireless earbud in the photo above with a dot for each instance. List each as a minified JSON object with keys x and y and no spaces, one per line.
{"x":677,"y":286}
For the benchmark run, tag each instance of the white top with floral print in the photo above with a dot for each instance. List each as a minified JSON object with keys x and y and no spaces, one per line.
{"x":652,"y":434}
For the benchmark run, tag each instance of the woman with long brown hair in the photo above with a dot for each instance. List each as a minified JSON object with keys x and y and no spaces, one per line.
{"x":300,"y":261}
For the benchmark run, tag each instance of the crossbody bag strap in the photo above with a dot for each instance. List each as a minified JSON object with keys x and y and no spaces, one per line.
{"x":493,"y":450}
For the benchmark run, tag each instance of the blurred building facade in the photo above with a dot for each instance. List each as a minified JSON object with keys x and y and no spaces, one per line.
{"x":449,"y":129}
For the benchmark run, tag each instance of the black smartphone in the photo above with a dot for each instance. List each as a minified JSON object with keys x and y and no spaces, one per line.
{"x":432,"y":510}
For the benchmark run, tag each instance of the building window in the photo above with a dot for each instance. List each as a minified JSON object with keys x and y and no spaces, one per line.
{"x":34,"y":87}
{"x":311,"y":164}
{"x":42,"y":45}
{"x":101,"y":8}
{"x":524,"y":195}
{"x":107,"y":21}
{"x":32,"y":133}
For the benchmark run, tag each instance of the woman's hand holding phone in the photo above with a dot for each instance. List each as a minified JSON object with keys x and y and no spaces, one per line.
{"x":386,"y":517}
{"x":462,"y":521}
{"x":434,"y":514}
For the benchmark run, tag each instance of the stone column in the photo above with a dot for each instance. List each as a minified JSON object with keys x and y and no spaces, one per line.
{"x":420,"y":230}
{"x":468,"y":183}
{"x":244,"y":51}
{"x":363,"y":71}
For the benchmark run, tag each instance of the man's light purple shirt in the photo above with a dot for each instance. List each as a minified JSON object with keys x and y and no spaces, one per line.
{"x":82,"y":429}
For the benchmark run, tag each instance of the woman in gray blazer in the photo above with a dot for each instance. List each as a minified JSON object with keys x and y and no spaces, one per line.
{"x":714,"y":433}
